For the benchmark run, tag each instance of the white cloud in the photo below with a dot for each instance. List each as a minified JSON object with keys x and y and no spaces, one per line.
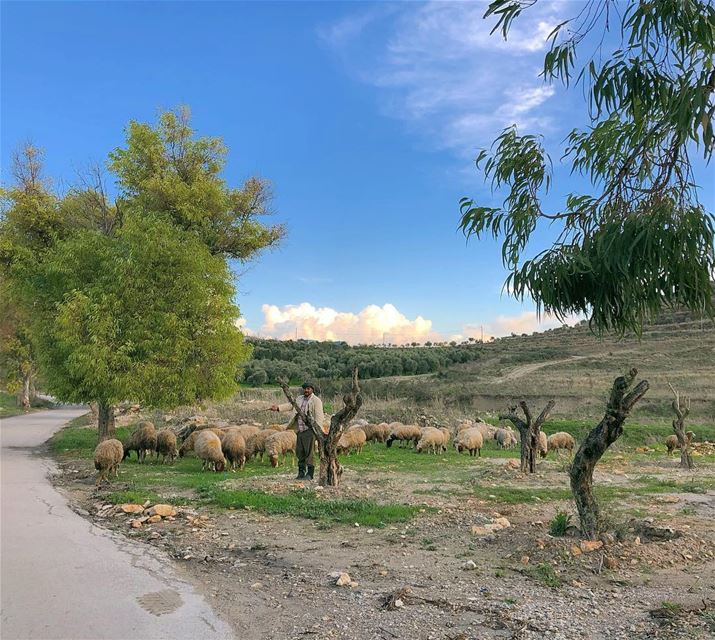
{"x":383,"y":324}
{"x":372,"y":325}
{"x":442,"y":72}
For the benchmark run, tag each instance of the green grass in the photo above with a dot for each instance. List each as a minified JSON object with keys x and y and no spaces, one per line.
{"x":306,"y":504}
{"x":560,"y":524}
{"x":543,"y":573}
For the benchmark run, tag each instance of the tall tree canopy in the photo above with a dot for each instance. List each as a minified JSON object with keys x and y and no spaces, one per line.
{"x":133,"y":299}
{"x":640,"y":240}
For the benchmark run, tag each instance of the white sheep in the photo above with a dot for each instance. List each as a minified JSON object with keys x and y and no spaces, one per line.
{"x":469,"y":440}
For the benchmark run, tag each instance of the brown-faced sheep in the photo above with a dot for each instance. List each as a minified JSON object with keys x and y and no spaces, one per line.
{"x":208,"y":448}
{"x":166,"y":445}
{"x":234,"y":449}
{"x":404,"y":433}
{"x":431,"y":439}
{"x":561,"y":440}
{"x":469,"y":440}
{"x":141,"y":440}
{"x":107,"y":456}
{"x":256,"y":444}
{"x":351,"y":440}
{"x":246,"y":430}
{"x":671,"y":442}
{"x":280,"y":444}
{"x":505,"y":438}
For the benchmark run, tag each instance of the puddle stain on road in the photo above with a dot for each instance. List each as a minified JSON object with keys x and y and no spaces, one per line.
{"x":160,"y":603}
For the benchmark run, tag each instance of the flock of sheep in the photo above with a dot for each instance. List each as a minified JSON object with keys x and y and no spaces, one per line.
{"x":233,"y":446}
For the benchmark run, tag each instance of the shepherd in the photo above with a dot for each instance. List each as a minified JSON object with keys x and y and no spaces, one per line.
{"x":311,"y":405}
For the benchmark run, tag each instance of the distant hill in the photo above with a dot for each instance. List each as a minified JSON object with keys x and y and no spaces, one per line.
{"x":568,"y":364}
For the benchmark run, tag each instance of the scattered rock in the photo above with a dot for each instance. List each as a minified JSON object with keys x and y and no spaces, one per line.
{"x":575,"y":551}
{"x":132,"y":508}
{"x":469,"y":565}
{"x":155,"y":518}
{"x":590,"y":545}
{"x":610,"y":563}
{"x":343,"y":580}
{"x":162,"y":510}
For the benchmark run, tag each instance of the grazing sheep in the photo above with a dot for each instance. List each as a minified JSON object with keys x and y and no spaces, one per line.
{"x":107,"y":456}
{"x":280,"y":444}
{"x":276,"y":427}
{"x":373,"y":432}
{"x":505,"y":438}
{"x":432,"y":439}
{"x":189,"y":443}
{"x":404,"y":433}
{"x":141,"y":440}
{"x":543,"y":444}
{"x":166,"y":445}
{"x":469,"y":440}
{"x":561,"y":440}
{"x":208,"y":448}
{"x":246,"y":430}
{"x":256,"y":444}
{"x":353,"y":439}
{"x":671,"y":442}
{"x":234,"y":449}
{"x":445,"y":437}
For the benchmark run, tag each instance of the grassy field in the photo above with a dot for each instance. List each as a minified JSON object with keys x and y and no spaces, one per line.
{"x":448,"y":475}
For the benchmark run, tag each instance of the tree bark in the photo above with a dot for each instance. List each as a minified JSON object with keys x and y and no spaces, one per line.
{"x":529,"y":431}
{"x":595,"y":445}
{"x":330,"y":468}
{"x":682,"y":409}
{"x":25,"y":391}
{"x":105,"y":420}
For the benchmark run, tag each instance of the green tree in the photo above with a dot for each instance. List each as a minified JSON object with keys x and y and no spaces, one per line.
{"x":640,"y":240}
{"x":133,"y":299}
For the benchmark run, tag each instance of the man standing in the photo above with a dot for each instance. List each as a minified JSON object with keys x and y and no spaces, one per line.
{"x":311,"y":405}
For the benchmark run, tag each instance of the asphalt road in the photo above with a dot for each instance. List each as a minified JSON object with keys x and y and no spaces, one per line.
{"x":62,"y":577}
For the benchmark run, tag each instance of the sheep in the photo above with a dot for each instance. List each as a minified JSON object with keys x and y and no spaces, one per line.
{"x":276,"y":427}
{"x":671,"y":442}
{"x":350,"y":440}
{"x":246,"y":430}
{"x":376,"y":432}
{"x":256,"y":444}
{"x":166,"y":445}
{"x":445,"y":437}
{"x":141,"y":440}
{"x":543,"y":444}
{"x":189,"y":443}
{"x":431,"y":439}
{"x":505,"y":438}
{"x":208,"y":448}
{"x":107,"y":456}
{"x":234,"y":449}
{"x":561,"y":440}
{"x":469,"y":440}
{"x":280,"y":444}
{"x":404,"y":433}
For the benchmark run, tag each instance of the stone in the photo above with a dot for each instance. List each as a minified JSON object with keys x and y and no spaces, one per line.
{"x":480,"y":531}
{"x":343,"y":580}
{"x":399,"y":604}
{"x":502,"y":522}
{"x":524,"y":560}
{"x":155,"y":518}
{"x":575,"y":551}
{"x":162,"y":510}
{"x":611,"y":563}
{"x":590,"y":545}
{"x":135,"y":524}
{"x":469,"y":565}
{"x":132,"y":508}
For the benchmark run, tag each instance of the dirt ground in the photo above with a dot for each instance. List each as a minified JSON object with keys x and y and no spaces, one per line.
{"x":441,"y":576}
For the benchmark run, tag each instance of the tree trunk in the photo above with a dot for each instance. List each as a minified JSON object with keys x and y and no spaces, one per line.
{"x":682,"y":409}
{"x":595,"y":445}
{"x":330,"y":469}
{"x":24,"y":393}
{"x":105,"y":420}
{"x":529,"y":432}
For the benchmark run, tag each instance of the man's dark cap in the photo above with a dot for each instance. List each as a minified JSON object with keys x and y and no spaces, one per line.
{"x":305,"y":385}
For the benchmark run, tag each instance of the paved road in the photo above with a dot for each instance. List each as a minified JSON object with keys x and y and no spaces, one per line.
{"x":64,"y":578}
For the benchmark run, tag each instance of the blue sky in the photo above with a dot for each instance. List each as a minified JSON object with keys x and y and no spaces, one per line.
{"x":364,"y":116}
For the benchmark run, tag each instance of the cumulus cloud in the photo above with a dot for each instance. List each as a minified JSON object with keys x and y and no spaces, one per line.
{"x":441,"y":71}
{"x":526,"y":322}
{"x":372,"y":325}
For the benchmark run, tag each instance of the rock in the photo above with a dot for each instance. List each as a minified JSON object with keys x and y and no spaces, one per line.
{"x":512,"y":464}
{"x":611,"y":563}
{"x":135,"y":524}
{"x":503,"y":522}
{"x":469,"y":565}
{"x":637,"y":540}
{"x":399,"y":604}
{"x":162,"y":510}
{"x":590,"y":545}
{"x":575,"y":551}
{"x":524,"y":560}
{"x":480,"y":531}
{"x":343,"y":580}
{"x":132,"y":508}
{"x":155,"y":518}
